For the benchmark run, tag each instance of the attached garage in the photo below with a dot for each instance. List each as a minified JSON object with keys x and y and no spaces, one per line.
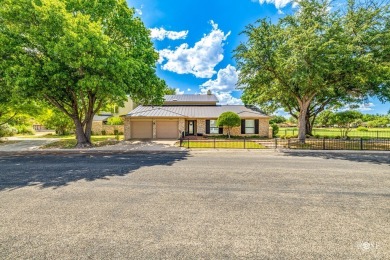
{"x":167,"y":129}
{"x":142,"y":129}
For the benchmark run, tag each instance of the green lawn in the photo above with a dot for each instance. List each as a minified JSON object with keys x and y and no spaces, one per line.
{"x":335,"y":132}
{"x":225,"y":144}
{"x":330,"y":144}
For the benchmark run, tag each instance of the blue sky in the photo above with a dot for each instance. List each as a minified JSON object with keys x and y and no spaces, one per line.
{"x":196,"y":40}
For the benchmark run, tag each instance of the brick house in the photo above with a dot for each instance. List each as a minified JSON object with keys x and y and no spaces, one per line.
{"x":191,"y":114}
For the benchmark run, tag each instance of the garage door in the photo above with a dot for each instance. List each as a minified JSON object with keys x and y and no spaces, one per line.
{"x":167,"y":129}
{"x":141,"y":129}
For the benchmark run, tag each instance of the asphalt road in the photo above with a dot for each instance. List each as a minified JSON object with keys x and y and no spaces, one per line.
{"x":195,"y":205}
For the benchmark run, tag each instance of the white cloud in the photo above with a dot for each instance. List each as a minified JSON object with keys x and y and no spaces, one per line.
{"x":188,"y":89}
{"x":226,"y":98}
{"x":226,"y":80}
{"x":199,"y":60}
{"x":178,"y":92}
{"x":361,"y":107}
{"x":279,"y":4}
{"x":160,"y":34}
{"x":223,"y":86}
{"x":138,"y":11}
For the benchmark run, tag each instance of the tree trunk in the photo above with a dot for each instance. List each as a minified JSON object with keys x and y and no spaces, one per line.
{"x":309,"y":126}
{"x":303,"y":106}
{"x":82,"y":140}
{"x":88,"y":125}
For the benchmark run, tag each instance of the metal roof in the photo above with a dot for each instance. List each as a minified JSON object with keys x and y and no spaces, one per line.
{"x":190,"y":98}
{"x":101,"y":117}
{"x":195,"y":111}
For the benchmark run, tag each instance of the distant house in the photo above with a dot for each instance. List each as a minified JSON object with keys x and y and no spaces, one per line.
{"x":187,"y":115}
{"x":99,"y":123}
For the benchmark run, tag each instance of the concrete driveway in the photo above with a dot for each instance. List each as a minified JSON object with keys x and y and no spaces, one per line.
{"x":25,"y":144}
{"x":194,"y":205}
{"x":20,"y":144}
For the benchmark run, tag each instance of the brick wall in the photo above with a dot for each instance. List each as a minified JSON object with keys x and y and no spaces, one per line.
{"x":98,"y":127}
{"x":263,"y":129}
{"x":201,"y":126}
{"x":127,"y":126}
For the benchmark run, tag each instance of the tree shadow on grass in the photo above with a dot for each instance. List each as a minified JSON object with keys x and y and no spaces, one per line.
{"x":55,"y":170}
{"x":366,"y":156}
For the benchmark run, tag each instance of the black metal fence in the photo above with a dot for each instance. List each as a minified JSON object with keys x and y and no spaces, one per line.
{"x":309,"y":144}
{"x":331,"y":133}
{"x":334,"y":144}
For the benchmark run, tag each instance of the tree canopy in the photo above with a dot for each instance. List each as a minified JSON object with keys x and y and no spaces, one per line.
{"x":312,"y":59}
{"x":229,"y":119}
{"x":78,"y":56}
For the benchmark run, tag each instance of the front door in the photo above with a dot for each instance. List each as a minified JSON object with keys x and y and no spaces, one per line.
{"x":191,"y":127}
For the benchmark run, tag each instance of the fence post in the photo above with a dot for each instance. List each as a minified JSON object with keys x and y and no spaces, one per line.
{"x":181,"y":142}
{"x":244,"y":142}
{"x":188,"y":143}
{"x":276,"y":143}
{"x":214,"y":142}
{"x":361,"y":143}
{"x":323,"y":144}
{"x":288,"y":143}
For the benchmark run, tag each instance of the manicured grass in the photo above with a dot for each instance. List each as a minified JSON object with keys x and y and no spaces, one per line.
{"x":338,"y":144}
{"x":69,"y":142}
{"x":224,"y":144}
{"x":335,"y":132}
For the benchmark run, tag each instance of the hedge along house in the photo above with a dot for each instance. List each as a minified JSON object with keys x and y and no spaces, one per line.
{"x":191,"y":115}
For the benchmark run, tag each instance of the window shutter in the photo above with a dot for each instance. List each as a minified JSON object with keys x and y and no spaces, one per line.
{"x":257,"y":126}
{"x":221,"y":130}
{"x":207,"y":126}
{"x":242,"y":126}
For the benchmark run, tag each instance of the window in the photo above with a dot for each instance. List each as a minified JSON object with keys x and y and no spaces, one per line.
{"x":249,"y":126}
{"x":214,"y":129}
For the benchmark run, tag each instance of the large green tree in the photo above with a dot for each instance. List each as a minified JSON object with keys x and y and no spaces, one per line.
{"x":79,"y":55}
{"x":309,"y":60}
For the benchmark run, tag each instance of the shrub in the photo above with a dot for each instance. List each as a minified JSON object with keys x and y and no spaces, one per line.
{"x":229,"y":120}
{"x":362,"y":129}
{"x":7,"y":130}
{"x":115,"y":120}
{"x":58,"y":121}
{"x":24,"y":129}
{"x":275,"y":129}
